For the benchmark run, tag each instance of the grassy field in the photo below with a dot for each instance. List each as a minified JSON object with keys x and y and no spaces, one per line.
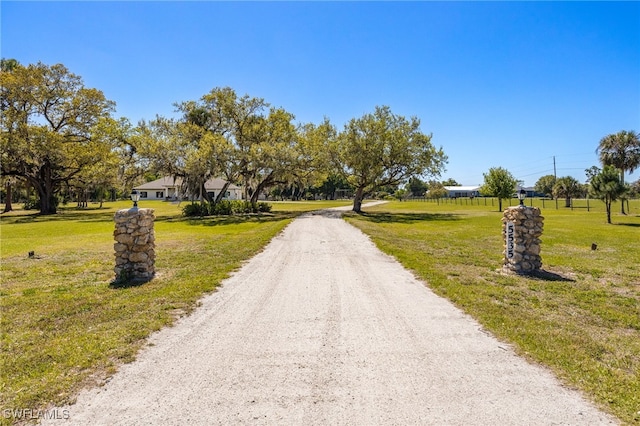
{"x":583,"y":322}
{"x":63,"y":325}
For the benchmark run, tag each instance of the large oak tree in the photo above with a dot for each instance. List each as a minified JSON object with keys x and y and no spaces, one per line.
{"x":245,"y":141}
{"x":47,"y":127}
{"x":382,"y":148}
{"x":230,"y":124}
{"x":178,"y":148}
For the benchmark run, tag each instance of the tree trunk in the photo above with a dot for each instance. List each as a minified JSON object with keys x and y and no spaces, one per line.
{"x":257,"y":192}
{"x":499,"y":204}
{"x":222,"y":193}
{"x":357,"y":201}
{"x":622,"y":181}
{"x":567,"y":202}
{"x":267,"y":181}
{"x":47,"y":204}
{"x":607,"y":203}
{"x":254,"y":196}
{"x":81,"y":200}
{"x":204,"y":195}
{"x":46,"y":190}
{"x":7,"y":202}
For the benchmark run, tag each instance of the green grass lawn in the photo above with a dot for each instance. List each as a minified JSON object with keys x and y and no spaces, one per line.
{"x":63,"y":326}
{"x":584,"y":322}
{"x":305,"y":206}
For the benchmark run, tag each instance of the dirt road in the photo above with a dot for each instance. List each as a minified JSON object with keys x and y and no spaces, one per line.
{"x":321,"y":328}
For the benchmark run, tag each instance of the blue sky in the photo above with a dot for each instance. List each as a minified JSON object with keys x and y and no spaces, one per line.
{"x":497,"y":83}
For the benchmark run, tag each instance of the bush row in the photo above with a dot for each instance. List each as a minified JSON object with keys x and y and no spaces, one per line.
{"x":224,"y":207}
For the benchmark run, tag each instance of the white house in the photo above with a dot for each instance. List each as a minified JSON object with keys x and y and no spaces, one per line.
{"x":168,"y":188}
{"x":462,"y":191}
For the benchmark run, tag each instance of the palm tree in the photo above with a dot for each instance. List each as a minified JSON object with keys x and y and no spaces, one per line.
{"x":621,"y":150}
{"x":607,"y":186}
{"x":567,"y":187}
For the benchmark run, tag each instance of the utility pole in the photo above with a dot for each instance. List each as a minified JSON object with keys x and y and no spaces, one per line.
{"x":555,"y":178}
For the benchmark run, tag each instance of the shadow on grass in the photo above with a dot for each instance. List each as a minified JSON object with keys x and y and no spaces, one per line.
{"x":633,"y":225}
{"x":89,"y":215}
{"x":549,"y":276}
{"x":407,"y":217}
{"x":231,"y":220}
{"x":124,"y":284}
{"x":84,"y":215}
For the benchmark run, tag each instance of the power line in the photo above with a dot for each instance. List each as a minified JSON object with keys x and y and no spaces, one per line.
{"x":536,"y":173}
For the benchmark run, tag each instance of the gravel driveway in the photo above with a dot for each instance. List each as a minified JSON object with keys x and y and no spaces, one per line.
{"x":321,"y":328}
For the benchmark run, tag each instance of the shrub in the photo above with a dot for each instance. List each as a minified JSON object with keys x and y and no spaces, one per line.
{"x":244,"y":207}
{"x":264,"y":207}
{"x":195,"y":209}
{"x":31,"y":204}
{"x":225,"y":208}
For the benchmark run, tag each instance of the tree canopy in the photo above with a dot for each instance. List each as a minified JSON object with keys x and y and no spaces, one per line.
{"x":591,"y":172}
{"x":499,"y":183}
{"x":436,"y":189}
{"x":621,"y":150}
{"x":567,"y":187}
{"x":382,"y":148}
{"x":56,"y":133}
{"x":608,"y":187}
{"x":240,"y":139}
{"x":450,"y":182}
{"x":417,"y":187}
{"x":634,"y":189}
{"x":48,"y":127}
{"x":544,"y":185}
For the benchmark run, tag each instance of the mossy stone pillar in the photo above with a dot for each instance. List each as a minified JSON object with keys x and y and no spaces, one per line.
{"x":135,"y":245}
{"x":521,"y":231}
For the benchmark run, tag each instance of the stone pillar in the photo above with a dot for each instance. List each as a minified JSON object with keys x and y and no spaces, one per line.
{"x":135,"y":245}
{"x":521,"y":231}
